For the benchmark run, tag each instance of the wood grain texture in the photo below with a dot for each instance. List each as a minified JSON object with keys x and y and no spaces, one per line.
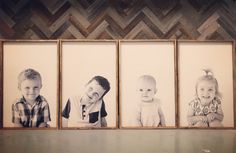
{"x":1,"y":84}
{"x":118,"y":19}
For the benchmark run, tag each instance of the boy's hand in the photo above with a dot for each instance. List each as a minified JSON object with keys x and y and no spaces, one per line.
{"x":43,"y":124}
{"x":211,"y":117}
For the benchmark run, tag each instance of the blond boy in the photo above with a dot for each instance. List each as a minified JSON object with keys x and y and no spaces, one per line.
{"x":32,"y":109}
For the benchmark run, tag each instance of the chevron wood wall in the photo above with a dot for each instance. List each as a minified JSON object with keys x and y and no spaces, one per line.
{"x":118,"y":19}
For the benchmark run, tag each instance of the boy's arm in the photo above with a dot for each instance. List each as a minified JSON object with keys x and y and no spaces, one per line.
{"x":46,"y":116}
{"x":64,"y":122}
{"x":103,"y":122}
{"x":162,"y":117}
{"x":103,"y":115}
{"x":16,"y":117}
{"x":66,"y":114}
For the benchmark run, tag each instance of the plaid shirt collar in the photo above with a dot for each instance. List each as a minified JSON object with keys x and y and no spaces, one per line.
{"x":38,"y":100}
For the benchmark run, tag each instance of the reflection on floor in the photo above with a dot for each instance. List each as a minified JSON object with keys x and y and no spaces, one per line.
{"x":118,"y":141}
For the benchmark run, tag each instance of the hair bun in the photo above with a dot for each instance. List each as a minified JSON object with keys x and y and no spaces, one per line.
{"x":208,"y":72}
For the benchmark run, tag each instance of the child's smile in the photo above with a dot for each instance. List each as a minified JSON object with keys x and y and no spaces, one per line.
{"x":30,"y":89}
{"x":206,"y":91}
{"x":206,"y":97}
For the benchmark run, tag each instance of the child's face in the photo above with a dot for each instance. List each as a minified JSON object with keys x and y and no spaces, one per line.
{"x":93,"y":92}
{"x":30,"y":89}
{"x":206,"y":91}
{"x":146,"y":91}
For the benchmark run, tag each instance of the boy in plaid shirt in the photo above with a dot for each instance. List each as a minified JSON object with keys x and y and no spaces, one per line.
{"x":32,"y":109}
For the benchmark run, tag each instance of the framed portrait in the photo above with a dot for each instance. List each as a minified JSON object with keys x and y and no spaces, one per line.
{"x":89,"y":84}
{"x":30,"y":77}
{"x":147,"y":84}
{"x":206,"y":84}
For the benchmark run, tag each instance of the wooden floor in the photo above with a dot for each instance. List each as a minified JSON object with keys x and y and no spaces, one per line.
{"x":118,"y":141}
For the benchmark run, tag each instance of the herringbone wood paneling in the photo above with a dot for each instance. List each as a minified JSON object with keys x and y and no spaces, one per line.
{"x":118,"y":19}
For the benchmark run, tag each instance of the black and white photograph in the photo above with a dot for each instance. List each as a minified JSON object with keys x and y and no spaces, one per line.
{"x":147,"y":84}
{"x":89,"y":84}
{"x":30,"y":84}
{"x":206,"y":84}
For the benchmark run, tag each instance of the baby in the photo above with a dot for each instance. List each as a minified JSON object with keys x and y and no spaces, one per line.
{"x":205,"y":109}
{"x":149,"y":113}
{"x":32,"y":109}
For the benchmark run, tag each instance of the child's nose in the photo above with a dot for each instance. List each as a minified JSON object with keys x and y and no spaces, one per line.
{"x":32,"y":90}
{"x":145,"y":92}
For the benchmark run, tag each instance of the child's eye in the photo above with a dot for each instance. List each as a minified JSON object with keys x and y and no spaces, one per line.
{"x":202,"y":89}
{"x":149,"y":90}
{"x":210,"y":90}
{"x":140,"y":89}
{"x":27,"y":88}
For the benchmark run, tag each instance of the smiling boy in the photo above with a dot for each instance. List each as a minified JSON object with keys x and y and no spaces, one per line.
{"x":88,"y":109}
{"x":32,"y":109}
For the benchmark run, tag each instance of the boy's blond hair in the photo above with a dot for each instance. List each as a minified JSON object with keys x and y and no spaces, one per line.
{"x":29,"y":74}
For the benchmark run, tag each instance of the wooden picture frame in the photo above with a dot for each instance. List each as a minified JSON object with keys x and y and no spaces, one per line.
{"x":29,"y":56}
{"x":154,"y":59}
{"x":70,"y":64}
{"x":201,"y":62}
{"x":81,"y":61}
